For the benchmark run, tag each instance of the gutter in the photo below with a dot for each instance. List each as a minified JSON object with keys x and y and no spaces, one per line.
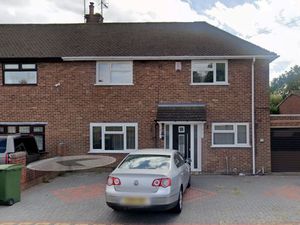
{"x":184,"y":57}
{"x":253,"y":114}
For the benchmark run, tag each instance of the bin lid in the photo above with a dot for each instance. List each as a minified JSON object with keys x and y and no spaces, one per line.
{"x":10,"y":167}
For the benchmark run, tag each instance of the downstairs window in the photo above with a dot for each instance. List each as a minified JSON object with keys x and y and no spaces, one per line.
{"x":113,"y":137}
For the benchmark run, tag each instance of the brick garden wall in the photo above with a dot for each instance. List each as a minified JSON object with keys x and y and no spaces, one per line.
{"x":70,"y":108}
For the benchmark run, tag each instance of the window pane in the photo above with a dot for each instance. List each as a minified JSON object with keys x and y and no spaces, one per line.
{"x":203,"y":77}
{"x":223,"y":127}
{"x":11,"y":66}
{"x":38,"y":129}
{"x":203,"y":66}
{"x":114,"y":142}
{"x":181,"y":144}
{"x":146,"y":162}
{"x":242,"y":134}
{"x":97,"y":137}
{"x":24,"y":129}
{"x":223,"y":139}
{"x":2,"y":129}
{"x":28,"y":66}
{"x":3,"y":145}
{"x":130,"y":137}
{"x":114,"y":128}
{"x":104,"y":70}
{"x":121,"y":66}
{"x":40,"y":142}
{"x":20,"y":77}
{"x":11,"y":129}
{"x":121,"y":77}
{"x":167,"y":137}
{"x":221,"y":72}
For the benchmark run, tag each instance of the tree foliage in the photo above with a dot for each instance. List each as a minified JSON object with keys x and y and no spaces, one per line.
{"x":282,"y":86}
{"x":287,"y":82}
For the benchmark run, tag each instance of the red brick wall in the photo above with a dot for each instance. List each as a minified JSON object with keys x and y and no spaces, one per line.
{"x":70,"y":108}
{"x":285,"y":121}
{"x":291,"y":105}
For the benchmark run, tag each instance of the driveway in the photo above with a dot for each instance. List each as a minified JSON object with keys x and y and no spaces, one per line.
{"x":78,"y":198}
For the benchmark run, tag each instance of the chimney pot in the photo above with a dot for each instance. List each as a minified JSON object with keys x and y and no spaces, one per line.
{"x":92,"y":8}
{"x":93,"y":17}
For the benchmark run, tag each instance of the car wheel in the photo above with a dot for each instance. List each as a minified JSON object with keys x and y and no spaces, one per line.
{"x":10,"y":202}
{"x":178,"y":207}
{"x":189,"y":183}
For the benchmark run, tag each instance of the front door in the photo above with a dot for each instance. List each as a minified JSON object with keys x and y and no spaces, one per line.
{"x":182,"y":140}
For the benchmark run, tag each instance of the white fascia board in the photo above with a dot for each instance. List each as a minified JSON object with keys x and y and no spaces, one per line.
{"x":121,"y":58}
{"x":23,"y":123}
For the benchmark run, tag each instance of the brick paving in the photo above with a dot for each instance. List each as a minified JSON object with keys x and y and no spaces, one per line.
{"x":78,"y":198}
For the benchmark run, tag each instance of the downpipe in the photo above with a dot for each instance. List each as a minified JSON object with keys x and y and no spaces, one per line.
{"x":253,"y":115}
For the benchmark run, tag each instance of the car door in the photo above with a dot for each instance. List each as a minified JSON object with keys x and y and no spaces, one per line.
{"x":182,"y":169}
{"x":185,"y":167}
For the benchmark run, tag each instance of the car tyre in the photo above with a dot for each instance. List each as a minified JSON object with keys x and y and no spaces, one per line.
{"x":178,"y":208}
{"x":189,"y":183}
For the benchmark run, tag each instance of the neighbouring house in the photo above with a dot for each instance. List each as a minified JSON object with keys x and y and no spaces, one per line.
{"x":291,"y":104}
{"x":285,"y":135}
{"x":111,"y":88}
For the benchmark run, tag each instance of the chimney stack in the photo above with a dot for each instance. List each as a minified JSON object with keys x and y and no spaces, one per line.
{"x":92,"y":17}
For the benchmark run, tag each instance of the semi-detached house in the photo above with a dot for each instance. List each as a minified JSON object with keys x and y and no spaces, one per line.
{"x":111,"y":88}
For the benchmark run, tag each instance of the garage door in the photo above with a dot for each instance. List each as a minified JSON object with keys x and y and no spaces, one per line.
{"x":285,"y":147}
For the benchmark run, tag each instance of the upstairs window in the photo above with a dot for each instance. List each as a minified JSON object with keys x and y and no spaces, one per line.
{"x":114,"y":73}
{"x":209,"y":72}
{"x":20,"y":74}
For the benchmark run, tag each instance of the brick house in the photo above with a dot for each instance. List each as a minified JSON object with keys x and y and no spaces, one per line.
{"x":291,"y":104}
{"x":110,"y":88}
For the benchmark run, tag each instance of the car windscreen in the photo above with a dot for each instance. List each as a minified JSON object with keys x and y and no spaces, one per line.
{"x":3,"y":145}
{"x":146,"y":162}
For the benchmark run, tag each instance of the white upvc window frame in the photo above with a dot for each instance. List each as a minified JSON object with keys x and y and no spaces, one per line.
{"x":98,"y":75}
{"x":103,"y":132}
{"x":214,"y":69}
{"x":235,"y":131}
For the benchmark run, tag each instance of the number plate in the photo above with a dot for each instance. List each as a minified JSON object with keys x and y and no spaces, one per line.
{"x":135,"y":201}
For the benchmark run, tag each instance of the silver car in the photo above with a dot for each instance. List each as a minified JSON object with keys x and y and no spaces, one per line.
{"x":149,"y":179}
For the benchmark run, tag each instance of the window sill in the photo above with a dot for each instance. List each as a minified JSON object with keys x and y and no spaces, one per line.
{"x":230,"y":146}
{"x":110,"y":151}
{"x":209,"y":84}
{"x":111,"y":84}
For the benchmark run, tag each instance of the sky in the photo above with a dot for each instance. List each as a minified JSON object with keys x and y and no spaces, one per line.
{"x":271,"y":24}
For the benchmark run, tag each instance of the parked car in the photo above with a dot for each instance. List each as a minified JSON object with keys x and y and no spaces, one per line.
{"x":16,"y":143}
{"x":149,"y":179}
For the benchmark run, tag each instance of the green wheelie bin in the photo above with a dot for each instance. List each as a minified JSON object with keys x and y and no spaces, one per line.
{"x":10,"y":190}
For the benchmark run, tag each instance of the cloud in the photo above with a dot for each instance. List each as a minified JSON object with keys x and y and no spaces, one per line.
{"x":271,"y":24}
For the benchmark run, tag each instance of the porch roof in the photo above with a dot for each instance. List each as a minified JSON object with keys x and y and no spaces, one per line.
{"x":181,"y":112}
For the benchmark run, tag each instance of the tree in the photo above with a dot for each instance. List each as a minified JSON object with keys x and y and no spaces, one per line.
{"x":275,"y":99}
{"x":287,"y":82}
{"x":282,"y":86}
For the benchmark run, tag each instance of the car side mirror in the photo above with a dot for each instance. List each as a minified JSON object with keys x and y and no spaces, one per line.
{"x":188,"y":161}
